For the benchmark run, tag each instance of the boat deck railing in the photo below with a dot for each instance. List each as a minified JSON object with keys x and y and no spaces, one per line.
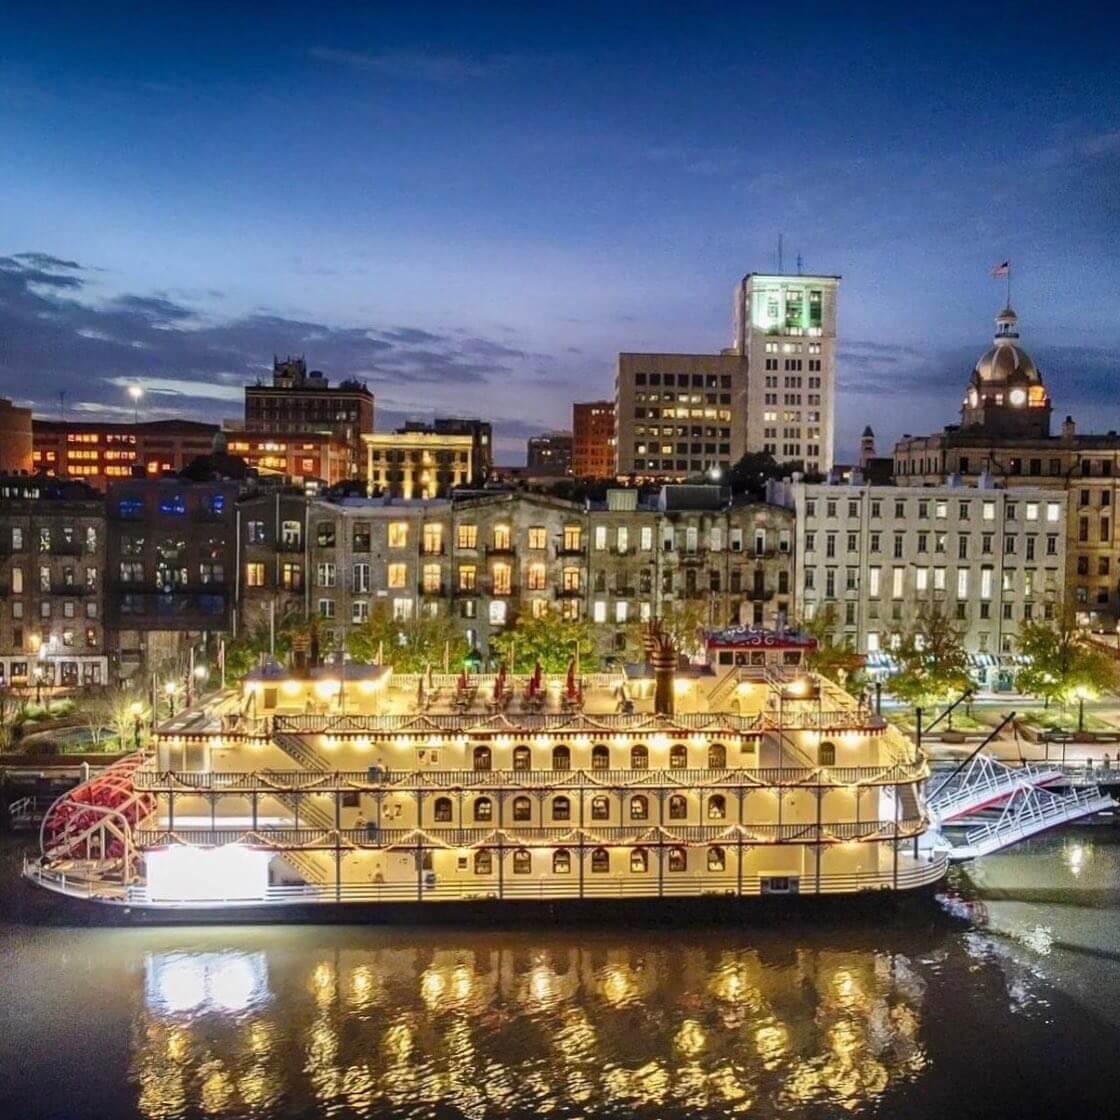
{"x":910,"y":874}
{"x":376,"y":778}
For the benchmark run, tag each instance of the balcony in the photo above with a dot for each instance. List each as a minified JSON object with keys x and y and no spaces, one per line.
{"x":500,"y":549}
{"x":567,"y":592}
{"x":563,"y":550}
{"x":434,"y":591}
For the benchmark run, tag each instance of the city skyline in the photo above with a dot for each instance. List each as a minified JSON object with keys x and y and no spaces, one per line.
{"x":508,"y":202}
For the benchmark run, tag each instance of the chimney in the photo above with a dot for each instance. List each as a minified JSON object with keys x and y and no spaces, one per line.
{"x":1069,"y":428}
{"x":662,"y":654}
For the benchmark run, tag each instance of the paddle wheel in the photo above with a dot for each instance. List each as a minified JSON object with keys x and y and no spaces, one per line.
{"x":95,"y":820}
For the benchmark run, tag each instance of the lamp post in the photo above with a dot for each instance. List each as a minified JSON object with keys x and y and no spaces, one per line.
{"x":136,"y":708}
{"x":136,"y":391}
{"x":169,"y":690}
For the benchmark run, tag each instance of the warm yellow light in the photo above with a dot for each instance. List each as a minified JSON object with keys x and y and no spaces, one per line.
{"x":743,"y":687}
{"x":681,"y":685}
{"x":135,"y":707}
{"x":291,"y":688}
{"x":327,"y":688}
{"x":170,"y":688}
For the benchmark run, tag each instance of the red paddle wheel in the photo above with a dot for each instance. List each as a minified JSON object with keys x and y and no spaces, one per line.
{"x":86,"y":822}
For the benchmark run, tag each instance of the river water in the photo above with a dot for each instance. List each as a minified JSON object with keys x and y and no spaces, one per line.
{"x":999,"y":998}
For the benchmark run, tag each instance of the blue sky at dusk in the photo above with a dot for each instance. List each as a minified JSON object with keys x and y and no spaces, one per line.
{"x":475,"y":208}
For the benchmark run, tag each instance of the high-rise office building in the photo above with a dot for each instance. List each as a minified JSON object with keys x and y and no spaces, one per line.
{"x":549,"y":454}
{"x":593,"y":439}
{"x":298,"y":402}
{"x":785,"y":327}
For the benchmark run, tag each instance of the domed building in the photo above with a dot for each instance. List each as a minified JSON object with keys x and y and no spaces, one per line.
{"x":1005,"y":393}
{"x":1004,"y":440}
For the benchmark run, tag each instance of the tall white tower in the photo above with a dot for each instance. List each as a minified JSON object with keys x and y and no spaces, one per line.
{"x":786,"y":328}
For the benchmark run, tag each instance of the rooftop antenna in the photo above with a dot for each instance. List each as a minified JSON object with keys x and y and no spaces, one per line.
{"x":798,"y":264}
{"x":780,"y":256}
{"x":62,"y":405}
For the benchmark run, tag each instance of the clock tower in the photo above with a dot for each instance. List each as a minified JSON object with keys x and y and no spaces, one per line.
{"x":1005,"y":395}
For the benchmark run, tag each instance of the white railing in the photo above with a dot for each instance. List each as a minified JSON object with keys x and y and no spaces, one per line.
{"x":983,"y":782}
{"x":911,"y":874}
{"x":1029,"y":812}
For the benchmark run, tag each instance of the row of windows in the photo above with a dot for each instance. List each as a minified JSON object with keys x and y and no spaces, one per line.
{"x":685,"y":380}
{"x":940,"y":543}
{"x":561,"y":757}
{"x":676,"y":860}
{"x":561,"y":809}
{"x":939,"y":507}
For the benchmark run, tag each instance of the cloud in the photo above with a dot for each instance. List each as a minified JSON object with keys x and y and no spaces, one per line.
{"x":56,"y":335}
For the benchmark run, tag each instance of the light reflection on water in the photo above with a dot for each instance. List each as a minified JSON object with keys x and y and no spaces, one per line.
{"x":817,"y":1016}
{"x":559,"y":1029}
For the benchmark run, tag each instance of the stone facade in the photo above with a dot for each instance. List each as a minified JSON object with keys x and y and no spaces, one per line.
{"x":52,"y":560}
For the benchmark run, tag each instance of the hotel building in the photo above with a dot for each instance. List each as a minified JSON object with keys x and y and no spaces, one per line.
{"x":785,"y":328}
{"x":417,"y":464}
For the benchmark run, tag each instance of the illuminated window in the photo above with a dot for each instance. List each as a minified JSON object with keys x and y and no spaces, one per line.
{"x":466,"y":536}
{"x":433,"y":539}
{"x":503,"y":579}
{"x":639,"y":807}
{"x":538,"y":577}
{"x":538,"y":537}
{"x":396,"y":575}
{"x":398,"y":535}
{"x":468,"y":577}
{"x":717,"y":859}
{"x":561,"y":862}
{"x":254,"y":575}
{"x":483,"y":862}
{"x":678,"y":859}
{"x":639,"y":758}
{"x":639,"y":861}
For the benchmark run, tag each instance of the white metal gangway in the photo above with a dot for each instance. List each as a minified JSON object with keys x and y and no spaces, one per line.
{"x":1029,"y":810}
{"x":983,"y":782}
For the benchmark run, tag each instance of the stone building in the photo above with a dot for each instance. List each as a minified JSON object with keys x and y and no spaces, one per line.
{"x":1005,"y":433}
{"x":271,"y":570}
{"x":486,"y":559}
{"x":418,"y":464}
{"x":52,"y":560}
{"x":15,"y":438}
{"x":593,"y":443}
{"x":991,"y":557}
{"x":298,"y":402}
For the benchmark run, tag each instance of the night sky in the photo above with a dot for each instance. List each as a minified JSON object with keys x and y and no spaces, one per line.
{"x":475,"y":208}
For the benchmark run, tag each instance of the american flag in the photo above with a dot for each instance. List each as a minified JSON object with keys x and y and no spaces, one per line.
{"x":999,"y":270}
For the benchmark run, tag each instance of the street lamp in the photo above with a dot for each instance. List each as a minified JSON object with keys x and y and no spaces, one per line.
{"x":1082,"y":695}
{"x":136,"y":391}
{"x":136,"y":708}
{"x":170,"y":689}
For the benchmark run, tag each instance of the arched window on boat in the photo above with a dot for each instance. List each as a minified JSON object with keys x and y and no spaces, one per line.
{"x":639,"y":860}
{"x":826,"y":754}
{"x":600,"y":808}
{"x":639,"y":807}
{"x":483,"y":862}
{"x":522,"y":861}
{"x":561,"y":862}
{"x":717,"y":757}
{"x":442,"y":810}
{"x":639,"y":758}
{"x":717,"y":807}
{"x":522,"y":758}
{"x":600,"y":860}
{"x":717,"y":858}
{"x":561,"y":758}
{"x":522,"y":809}
{"x":600,"y":757}
{"x":678,"y":757}
{"x":561,"y":809}
{"x":483,"y":809}
{"x":678,"y":859}
{"x":678,"y":808}
{"x":482,"y":758}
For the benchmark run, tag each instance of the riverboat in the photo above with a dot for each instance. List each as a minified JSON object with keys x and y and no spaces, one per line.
{"x":327,"y":784}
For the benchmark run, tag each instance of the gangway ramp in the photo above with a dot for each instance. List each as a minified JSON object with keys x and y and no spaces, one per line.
{"x":984,"y":782}
{"x":1028,"y":811}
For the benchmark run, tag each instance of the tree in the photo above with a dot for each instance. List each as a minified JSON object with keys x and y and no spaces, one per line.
{"x":751,"y":473}
{"x":932,"y":663}
{"x":113,"y":707}
{"x":410,"y":644}
{"x":1060,"y":666}
{"x":13,"y":715}
{"x":550,"y":639}
{"x":832,"y":659}
{"x":245,"y":651}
